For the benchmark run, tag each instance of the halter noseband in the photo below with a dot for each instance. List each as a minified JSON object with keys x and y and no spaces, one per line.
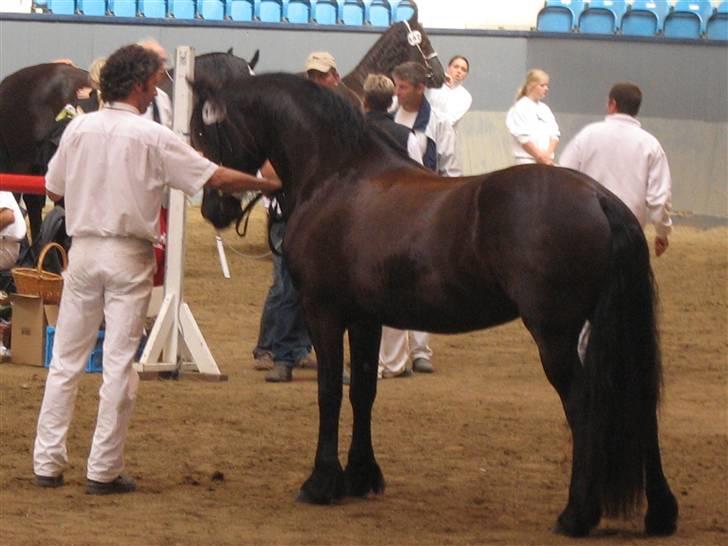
{"x":414,"y":39}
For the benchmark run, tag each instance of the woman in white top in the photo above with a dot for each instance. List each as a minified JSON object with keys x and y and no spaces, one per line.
{"x":452,"y":100}
{"x":531,"y":123}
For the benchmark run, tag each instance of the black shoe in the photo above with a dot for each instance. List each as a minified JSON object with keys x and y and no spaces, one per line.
{"x":422,"y":365}
{"x":281,"y":373}
{"x":48,"y":481}
{"x":122,"y":484}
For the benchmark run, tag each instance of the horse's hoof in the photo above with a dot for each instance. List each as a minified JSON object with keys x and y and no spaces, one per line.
{"x":323,"y":487}
{"x":662,"y":521}
{"x":364,"y":479}
{"x":570,"y":529}
{"x":305,"y":498}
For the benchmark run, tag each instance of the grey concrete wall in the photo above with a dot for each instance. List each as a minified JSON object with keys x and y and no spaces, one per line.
{"x":685,"y":84}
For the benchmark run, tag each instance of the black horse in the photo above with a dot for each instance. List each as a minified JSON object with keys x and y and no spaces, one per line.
{"x":375,"y":239}
{"x":30,"y":99}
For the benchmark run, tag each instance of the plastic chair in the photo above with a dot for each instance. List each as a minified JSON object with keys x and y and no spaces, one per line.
{"x":152,"y":8}
{"x":403,"y":10}
{"x":687,"y":19}
{"x":212,"y":10}
{"x":122,"y":8}
{"x":602,"y":16}
{"x":352,"y":12}
{"x":91,"y":7}
{"x":62,"y":7}
{"x":298,"y":11}
{"x":324,"y":12}
{"x":239,"y":10}
{"x":181,"y":9}
{"x":717,"y":26}
{"x":559,"y":15}
{"x":379,"y":13}
{"x":269,"y":11}
{"x":644,"y":18}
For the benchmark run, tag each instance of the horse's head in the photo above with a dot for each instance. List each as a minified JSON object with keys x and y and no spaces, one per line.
{"x":213,"y":133}
{"x":421,"y":51}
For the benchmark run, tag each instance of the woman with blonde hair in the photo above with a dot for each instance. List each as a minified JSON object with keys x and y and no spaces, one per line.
{"x":531,"y":123}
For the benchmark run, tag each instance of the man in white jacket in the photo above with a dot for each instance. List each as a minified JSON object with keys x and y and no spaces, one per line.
{"x":627,"y":160}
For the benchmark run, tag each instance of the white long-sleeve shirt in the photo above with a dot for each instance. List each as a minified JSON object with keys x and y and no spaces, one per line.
{"x":452,"y":103}
{"x":530,"y":121}
{"x":629,"y":162}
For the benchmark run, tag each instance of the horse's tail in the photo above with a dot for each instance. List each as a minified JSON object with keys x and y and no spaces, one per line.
{"x":622,"y":367}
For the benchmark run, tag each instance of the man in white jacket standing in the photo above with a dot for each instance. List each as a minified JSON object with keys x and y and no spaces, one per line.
{"x":627,"y":160}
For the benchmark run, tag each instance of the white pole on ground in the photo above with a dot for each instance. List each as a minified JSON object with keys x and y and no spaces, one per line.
{"x":175,"y":332}
{"x":221,"y":255}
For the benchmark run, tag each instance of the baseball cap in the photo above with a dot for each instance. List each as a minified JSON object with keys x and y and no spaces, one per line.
{"x":323,"y":61}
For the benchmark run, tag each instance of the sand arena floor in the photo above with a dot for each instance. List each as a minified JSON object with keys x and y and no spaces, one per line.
{"x":477,"y":453}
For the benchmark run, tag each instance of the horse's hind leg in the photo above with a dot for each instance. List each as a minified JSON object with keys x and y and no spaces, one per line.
{"x":662,"y":511}
{"x":363,"y":474}
{"x":326,"y":483}
{"x":563,"y":369}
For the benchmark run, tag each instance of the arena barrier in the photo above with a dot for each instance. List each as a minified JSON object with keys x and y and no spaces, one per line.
{"x":22,"y":183}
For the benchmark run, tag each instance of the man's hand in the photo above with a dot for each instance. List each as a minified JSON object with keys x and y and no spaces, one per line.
{"x":661,"y":245}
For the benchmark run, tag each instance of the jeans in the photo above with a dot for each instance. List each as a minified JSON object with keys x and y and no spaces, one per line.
{"x":283,"y":331}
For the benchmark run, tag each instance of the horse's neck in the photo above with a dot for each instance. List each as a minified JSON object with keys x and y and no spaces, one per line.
{"x":383,"y":56}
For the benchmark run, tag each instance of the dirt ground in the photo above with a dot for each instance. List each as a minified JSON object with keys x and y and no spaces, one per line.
{"x":477,"y":453}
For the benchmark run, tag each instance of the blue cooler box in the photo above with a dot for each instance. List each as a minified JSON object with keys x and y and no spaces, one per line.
{"x":94,"y":360}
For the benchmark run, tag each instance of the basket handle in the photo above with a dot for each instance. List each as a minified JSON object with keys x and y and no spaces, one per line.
{"x":44,"y":251}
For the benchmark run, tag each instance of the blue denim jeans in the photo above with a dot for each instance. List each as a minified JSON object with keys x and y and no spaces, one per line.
{"x":283,"y":331}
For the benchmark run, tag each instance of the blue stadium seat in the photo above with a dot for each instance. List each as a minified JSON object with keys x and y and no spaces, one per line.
{"x":181,"y":9}
{"x":352,"y":12}
{"x":269,"y":11}
{"x":324,"y":12}
{"x":717,"y":27}
{"x":298,"y":11}
{"x":602,"y":16}
{"x":687,"y":19}
{"x":153,"y":8}
{"x":123,"y":8}
{"x":379,"y":13}
{"x":559,"y":15}
{"x":212,"y":10}
{"x":239,"y":10}
{"x":62,"y":7}
{"x":41,"y":4}
{"x":91,"y":7}
{"x":403,"y":10}
{"x":644,"y":18}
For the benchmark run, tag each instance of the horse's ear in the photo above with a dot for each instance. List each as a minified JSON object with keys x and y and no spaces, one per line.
{"x":230,"y":51}
{"x":213,"y":111}
{"x":254,"y":60}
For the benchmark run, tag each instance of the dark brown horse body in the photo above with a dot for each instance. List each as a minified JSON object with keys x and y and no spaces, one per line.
{"x":30,"y":100}
{"x":373,"y":239}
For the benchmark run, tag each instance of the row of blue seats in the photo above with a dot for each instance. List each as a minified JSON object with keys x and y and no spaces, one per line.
{"x":325,"y":12}
{"x":687,"y":19}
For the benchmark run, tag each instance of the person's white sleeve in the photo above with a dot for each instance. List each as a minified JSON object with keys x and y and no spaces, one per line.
{"x":447,"y":163}
{"x":571,"y":156}
{"x":413,"y":148}
{"x":519,"y":122}
{"x":554,"y":132}
{"x":460,"y":106}
{"x":16,"y":230}
{"x":659,"y":193}
{"x":183,"y":168}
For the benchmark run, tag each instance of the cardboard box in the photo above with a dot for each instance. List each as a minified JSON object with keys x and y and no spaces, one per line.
{"x":29,"y":320}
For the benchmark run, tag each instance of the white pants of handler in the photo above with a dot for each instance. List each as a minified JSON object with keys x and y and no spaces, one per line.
{"x":107,"y":278}
{"x":397,"y":345}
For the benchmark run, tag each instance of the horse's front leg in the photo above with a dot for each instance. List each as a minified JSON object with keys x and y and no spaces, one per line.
{"x":362,"y":471}
{"x":326,"y":483}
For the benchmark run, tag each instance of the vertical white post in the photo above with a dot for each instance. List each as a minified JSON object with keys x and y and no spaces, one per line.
{"x":175,"y":323}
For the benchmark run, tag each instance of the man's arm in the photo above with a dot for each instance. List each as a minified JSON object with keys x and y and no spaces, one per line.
{"x":231,"y":181}
{"x":53,"y":196}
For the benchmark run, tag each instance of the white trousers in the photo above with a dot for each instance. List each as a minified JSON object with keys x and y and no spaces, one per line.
{"x":111,"y":279}
{"x":397,"y":346}
{"x":9,"y":251}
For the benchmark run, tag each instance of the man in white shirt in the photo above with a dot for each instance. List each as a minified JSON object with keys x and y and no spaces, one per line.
{"x":112,"y":167}
{"x":12,"y":230}
{"x":627,"y":160}
{"x":160,"y":109}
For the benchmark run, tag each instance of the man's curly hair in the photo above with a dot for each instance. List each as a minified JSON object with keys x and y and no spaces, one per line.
{"x":126,"y":67}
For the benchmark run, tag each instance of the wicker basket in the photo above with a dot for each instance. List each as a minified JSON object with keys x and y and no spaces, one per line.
{"x":34,"y":281}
